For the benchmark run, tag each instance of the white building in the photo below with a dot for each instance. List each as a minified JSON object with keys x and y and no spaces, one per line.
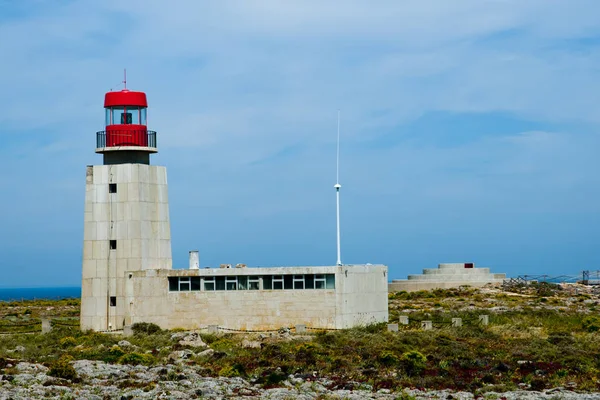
{"x":127,"y":274}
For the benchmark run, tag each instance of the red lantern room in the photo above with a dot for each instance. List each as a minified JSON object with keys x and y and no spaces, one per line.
{"x":126,"y":132}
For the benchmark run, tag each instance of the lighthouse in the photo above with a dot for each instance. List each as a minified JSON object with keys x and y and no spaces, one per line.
{"x":126,"y":223}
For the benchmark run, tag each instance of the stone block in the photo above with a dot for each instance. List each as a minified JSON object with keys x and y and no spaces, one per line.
{"x":127,"y":331}
{"x":404,"y":319}
{"x":392,"y":327}
{"x":456,"y":322}
{"x":46,"y":325}
{"x":143,"y":173}
{"x":213,"y":329}
{"x":99,"y":174}
{"x":120,"y":230}
{"x":133,"y":192}
{"x":88,"y":250}
{"x":89,"y":230}
{"x":134,"y":230}
{"x":100,"y":212}
{"x":427,"y":325}
{"x":101,"y":193}
{"x":300,"y":328}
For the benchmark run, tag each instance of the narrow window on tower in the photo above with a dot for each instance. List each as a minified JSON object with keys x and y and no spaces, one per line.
{"x":113,"y":301}
{"x":112,"y":188}
{"x":113,"y":244}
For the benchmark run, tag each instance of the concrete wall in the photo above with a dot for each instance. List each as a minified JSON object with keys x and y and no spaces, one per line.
{"x":359,"y":297}
{"x":362,"y":295}
{"x":137,"y":217}
{"x":446,"y":276}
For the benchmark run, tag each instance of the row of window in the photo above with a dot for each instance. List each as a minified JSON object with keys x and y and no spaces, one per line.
{"x":253,"y":282}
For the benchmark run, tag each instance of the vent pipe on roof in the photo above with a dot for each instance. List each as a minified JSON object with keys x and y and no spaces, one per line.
{"x":194,"y":259}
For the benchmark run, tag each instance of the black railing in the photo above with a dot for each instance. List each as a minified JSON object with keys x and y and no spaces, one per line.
{"x":126,"y":138}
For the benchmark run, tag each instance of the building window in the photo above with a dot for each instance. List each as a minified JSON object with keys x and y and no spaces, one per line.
{"x":113,"y":301}
{"x":267,"y":282}
{"x":278,"y":282}
{"x":242,"y":282}
{"x":195,"y":283}
{"x":320,"y":281}
{"x":330,"y":281}
{"x":231,"y":282}
{"x":112,"y":188}
{"x":113,"y":244}
{"x":270,"y":282}
{"x":298,"y":281}
{"x":184,"y":284}
{"x":309,"y":281}
{"x":220,"y":282}
{"x":253,"y":283}
{"x":209,"y":283}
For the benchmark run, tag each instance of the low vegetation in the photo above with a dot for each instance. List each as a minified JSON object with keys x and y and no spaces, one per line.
{"x":539,"y":337}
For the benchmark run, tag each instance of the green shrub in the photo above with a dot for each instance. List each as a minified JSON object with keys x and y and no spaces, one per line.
{"x":68,"y":341}
{"x":148,"y":328}
{"x":112,"y":355}
{"x":229,"y":371}
{"x":388,"y":358}
{"x":413,"y":362}
{"x":136,"y":359}
{"x":591,"y":324}
{"x":62,"y":368}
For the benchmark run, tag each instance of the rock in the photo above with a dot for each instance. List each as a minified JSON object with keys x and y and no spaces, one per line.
{"x":206,"y":353}
{"x":179,"y":335}
{"x":18,"y":349}
{"x":124,"y":343}
{"x":30,"y":368}
{"x":251,"y":344}
{"x":193,"y":340}
{"x":181,"y":355}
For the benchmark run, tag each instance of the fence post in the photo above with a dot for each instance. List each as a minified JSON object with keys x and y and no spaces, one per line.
{"x":300,"y":328}
{"x":456,"y":322}
{"x":404,"y":319}
{"x":484,"y":319}
{"x":392,"y":327}
{"x":213,"y":329}
{"x":426,"y":325}
{"x":127,"y":331}
{"x":46,"y":325}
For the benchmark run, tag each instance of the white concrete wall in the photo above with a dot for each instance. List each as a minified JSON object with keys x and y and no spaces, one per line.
{"x":446,"y":276}
{"x":137,"y":217}
{"x":360,"y":297}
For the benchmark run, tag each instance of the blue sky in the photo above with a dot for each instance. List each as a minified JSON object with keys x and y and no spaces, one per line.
{"x":470,"y":129}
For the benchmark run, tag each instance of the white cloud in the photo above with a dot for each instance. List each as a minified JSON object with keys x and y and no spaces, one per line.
{"x":232,"y":84}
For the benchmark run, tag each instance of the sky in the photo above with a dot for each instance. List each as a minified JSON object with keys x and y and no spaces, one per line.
{"x":470,"y":130}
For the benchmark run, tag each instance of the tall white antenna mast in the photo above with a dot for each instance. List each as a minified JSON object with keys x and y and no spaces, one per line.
{"x":337,"y":187}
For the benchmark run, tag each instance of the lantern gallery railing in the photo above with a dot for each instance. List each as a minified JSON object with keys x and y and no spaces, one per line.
{"x":126,"y":137}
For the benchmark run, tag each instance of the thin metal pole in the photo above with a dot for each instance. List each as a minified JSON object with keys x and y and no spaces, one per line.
{"x":337,"y":193}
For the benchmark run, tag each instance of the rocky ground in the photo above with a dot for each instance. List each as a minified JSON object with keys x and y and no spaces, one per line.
{"x":181,"y":365}
{"x":99,"y":380}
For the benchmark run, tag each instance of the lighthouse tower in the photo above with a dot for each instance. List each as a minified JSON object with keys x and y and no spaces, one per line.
{"x":126,"y":225}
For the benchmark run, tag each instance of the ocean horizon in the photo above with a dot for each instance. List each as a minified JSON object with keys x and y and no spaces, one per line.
{"x":38,"y":293}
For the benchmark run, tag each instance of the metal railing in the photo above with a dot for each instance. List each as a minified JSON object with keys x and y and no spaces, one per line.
{"x":126,"y":138}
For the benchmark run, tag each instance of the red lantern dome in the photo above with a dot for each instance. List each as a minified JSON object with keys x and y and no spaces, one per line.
{"x":126,"y":126}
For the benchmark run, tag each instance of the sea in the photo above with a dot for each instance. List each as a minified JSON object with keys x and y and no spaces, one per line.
{"x":55,"y":293}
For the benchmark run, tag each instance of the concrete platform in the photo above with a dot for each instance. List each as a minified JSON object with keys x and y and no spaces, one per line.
{"x":446,"y":276}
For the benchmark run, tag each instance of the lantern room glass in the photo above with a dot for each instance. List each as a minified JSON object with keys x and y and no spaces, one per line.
{"x":127,"y":115}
